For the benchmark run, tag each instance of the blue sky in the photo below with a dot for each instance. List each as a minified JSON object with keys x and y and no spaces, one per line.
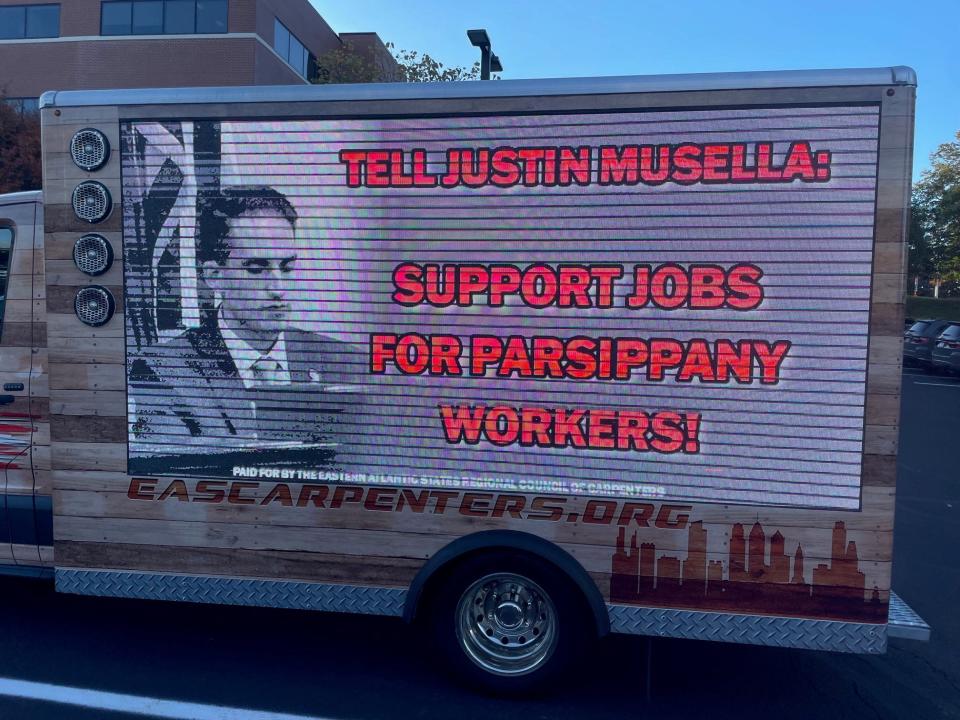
{"x":561,"y":38}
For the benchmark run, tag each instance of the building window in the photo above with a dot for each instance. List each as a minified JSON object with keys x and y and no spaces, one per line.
{"x":211,"y":16}
{"x":292,"y":50}
{"x":147,"y":17}
{"x":115,"y":18}
{"x":29,"y":21}
{"x":159,"y":17}
{"x":179,"y":17}
{"x":24,"y":105}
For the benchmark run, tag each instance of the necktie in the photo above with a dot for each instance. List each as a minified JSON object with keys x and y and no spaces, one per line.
{"x":267,"y":371}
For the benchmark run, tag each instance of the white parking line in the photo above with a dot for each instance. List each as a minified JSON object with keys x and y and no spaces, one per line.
{"x":134,"y":704}
{"x":953,"y":385}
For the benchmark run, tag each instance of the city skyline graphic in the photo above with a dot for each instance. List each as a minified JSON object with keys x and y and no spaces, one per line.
{"x":837,"y":589}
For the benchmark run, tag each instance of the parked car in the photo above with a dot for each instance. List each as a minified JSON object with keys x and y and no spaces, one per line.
{"x":945,"y":354}
{"x":919,"y":340}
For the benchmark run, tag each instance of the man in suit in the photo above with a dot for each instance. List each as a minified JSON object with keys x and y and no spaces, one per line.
{"x":247,"y":379}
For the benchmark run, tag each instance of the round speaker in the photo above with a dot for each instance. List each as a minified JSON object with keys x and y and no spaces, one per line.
{"x":91,"y":201}
{"x":92,"y":254}
{"x":89,"y":149}
{"x":94,"y":305}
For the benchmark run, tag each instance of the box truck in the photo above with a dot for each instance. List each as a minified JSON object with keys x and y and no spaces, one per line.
{"x":526,"y":362}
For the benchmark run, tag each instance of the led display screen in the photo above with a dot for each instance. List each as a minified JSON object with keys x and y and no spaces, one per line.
{"x":669,"y":303}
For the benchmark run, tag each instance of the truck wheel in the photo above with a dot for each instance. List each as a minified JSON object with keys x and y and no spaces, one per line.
{"x":506,"y":622}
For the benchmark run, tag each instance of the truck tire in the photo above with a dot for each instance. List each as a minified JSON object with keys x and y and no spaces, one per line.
{"x":507,"y":622}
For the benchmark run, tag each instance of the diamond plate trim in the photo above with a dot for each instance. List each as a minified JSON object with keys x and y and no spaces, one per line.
{"x":774,"y":631}
{"x":903,"y":621}
{"x":233,"y":591}
{"x":786,"y":632}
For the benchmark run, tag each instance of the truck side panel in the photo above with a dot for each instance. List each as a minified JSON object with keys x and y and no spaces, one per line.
{"x":764,"y":560}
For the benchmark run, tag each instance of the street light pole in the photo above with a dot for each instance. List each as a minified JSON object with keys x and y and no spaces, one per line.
{"x":488,"y":60}
{"x":485,"y":62}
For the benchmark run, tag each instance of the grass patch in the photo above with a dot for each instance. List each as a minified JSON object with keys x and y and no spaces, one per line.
{"x":936,"y":308}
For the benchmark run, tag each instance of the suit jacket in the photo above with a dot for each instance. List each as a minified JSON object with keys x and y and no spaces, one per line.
{"x":187,"y":395}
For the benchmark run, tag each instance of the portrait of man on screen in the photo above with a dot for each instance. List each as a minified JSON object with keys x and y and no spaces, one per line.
{"x":247,"y":378}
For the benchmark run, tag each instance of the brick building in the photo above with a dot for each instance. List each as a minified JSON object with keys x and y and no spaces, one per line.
{"x":91,"y":44}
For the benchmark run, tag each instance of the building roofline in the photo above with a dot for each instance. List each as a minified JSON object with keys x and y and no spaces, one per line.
{"x":898,"y":75}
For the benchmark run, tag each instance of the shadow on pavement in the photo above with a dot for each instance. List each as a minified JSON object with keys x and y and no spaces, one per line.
{"x":340,"y":666}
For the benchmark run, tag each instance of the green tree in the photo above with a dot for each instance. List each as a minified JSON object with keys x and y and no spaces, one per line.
{"x":420,"y":67}
{"x":919,"y":262}
{"x":348,"y":65}
{"x":20,"y":160}
{"x":935,"y":221}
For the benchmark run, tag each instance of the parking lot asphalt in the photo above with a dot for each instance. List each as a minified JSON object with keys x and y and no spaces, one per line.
{"x":337,"y":666}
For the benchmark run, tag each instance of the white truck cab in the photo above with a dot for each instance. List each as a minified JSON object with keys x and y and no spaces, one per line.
{"x":26,"y":515}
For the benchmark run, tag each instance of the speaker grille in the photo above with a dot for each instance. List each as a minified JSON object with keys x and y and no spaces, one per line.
{"x":91,"y":201}
{"x":94,"y":305}
{"x":89,"y":149}
{"x":93,"y":254}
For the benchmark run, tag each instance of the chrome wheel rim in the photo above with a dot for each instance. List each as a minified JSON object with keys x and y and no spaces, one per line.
{"x":507,"y":624}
